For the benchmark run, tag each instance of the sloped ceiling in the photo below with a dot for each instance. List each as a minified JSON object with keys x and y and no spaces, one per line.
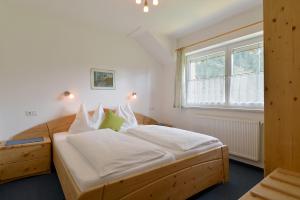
{"x":173,"y":18}
{"x":154,"y":45}
{"x":155,"y":30}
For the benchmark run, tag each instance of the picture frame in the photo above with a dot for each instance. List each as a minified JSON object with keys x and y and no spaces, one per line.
{"x":102,"y":79}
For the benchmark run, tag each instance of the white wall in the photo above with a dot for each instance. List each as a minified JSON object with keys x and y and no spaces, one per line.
{"x":42,"y":56}
{"x":251,"y":16}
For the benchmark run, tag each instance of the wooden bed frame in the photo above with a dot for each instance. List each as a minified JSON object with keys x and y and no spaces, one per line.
{"x":63,"y":124}
{"x":178,"y":180}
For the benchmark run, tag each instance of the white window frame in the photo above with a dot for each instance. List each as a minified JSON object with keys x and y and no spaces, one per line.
{"x":228,"y":48}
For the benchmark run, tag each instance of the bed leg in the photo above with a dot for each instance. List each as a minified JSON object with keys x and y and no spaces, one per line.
{"x":225,"y":158}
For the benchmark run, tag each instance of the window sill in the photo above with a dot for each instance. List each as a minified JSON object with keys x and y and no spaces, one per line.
{"x":227,"y":108}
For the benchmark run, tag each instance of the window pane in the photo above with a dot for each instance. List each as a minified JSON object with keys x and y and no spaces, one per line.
{"x":247,"y":80}
{"x":206,"y":80}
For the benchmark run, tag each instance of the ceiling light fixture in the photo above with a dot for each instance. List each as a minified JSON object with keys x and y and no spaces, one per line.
{"x":146,"y":6}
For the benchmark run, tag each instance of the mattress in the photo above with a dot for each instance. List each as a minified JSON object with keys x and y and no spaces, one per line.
{"x":86,"y":176}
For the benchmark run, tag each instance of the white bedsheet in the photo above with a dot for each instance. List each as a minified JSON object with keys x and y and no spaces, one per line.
{"x":84,"y":173}
{"x":176,"y":140}
{"x":110,"y":152}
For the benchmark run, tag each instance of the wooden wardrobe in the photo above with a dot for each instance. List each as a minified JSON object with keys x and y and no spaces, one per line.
{"x":282,"y":84}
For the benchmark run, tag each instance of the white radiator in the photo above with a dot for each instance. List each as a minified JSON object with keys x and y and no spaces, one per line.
{"x":242,"y":136}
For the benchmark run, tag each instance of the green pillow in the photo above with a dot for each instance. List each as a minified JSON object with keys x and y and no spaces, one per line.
{"x":112,"y":121}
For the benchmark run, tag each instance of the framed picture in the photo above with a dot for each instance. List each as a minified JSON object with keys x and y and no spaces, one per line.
{"x":103,"y":79}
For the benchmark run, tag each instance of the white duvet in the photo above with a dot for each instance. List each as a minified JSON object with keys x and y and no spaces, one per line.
{"x":109,"y":152}
{"x":172,"y":138}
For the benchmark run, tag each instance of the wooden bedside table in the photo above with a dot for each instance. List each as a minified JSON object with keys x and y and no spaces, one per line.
{"x":23,"y":160}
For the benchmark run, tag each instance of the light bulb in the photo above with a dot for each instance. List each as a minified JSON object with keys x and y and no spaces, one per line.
{"x":155,"y":2}
{"x":146,"y":9}
{"x":138,"y":1}
{"x":71,"y":96}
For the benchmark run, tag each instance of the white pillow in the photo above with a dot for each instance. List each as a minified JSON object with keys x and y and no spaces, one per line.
{"x":83,"y":122}
{"x":126,"y":113}
{"x":97,"y":118}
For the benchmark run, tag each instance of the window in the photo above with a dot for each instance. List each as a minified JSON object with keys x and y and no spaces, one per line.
{"x":247,"y":77}
{"x":229,"y":76}
{"x":206,"y":79}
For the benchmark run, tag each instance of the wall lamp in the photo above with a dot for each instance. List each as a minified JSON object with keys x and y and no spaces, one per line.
{"x":69,"y":95}
{"x":133,"y":95}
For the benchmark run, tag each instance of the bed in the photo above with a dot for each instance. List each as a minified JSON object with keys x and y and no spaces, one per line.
{"x":85,"y":174}
{"x":166,"y":179}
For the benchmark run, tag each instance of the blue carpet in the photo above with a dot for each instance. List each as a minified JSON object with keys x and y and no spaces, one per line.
{"x":47,"y":187}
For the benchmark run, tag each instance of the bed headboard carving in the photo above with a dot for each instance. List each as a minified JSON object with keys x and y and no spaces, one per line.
{"x":63,"y":124}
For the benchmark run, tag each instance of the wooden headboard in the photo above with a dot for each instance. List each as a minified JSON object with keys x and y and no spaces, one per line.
{"x":63,"y":124}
